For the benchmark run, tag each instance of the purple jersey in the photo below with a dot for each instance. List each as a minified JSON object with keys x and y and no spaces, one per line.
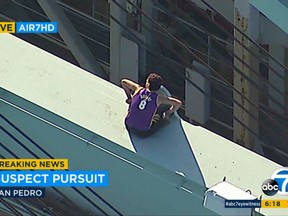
{"x":142,"y":110}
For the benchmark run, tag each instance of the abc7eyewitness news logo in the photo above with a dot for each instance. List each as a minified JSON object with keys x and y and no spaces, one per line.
{"x":277,"y":184}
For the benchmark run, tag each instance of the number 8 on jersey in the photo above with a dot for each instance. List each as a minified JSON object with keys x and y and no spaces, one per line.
{"x":142,"y":104}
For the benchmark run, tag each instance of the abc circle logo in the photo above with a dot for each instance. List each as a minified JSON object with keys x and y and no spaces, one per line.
{"x":270,"y":187}
{"x":277,"y":184}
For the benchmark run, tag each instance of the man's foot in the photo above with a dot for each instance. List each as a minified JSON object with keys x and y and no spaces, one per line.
{"x":166,"y":117}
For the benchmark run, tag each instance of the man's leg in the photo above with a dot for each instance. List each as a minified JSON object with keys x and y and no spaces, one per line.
{"x":157,"y":122}
{"x":162,"y":108}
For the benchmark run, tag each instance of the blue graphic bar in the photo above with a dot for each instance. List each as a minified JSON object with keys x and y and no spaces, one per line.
{"x":242,"y":203}
{"x":36,"y":27}
{"x":54,"y":178}
{"x":24,"y":192}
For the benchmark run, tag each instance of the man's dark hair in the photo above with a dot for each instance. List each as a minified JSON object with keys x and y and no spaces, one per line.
{"x":155,"y":81}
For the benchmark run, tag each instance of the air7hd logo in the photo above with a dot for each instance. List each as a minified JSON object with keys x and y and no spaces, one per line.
{"x":277,"y":184}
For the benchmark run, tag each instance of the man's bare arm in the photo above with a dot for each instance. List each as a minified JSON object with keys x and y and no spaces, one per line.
{"x":129,"y":87}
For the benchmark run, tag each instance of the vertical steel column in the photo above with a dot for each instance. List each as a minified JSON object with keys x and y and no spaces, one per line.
{"x":246,"y":20}
{"x":115,"y":39}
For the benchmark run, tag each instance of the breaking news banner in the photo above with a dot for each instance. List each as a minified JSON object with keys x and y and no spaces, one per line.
{"x":35,"y":164}
{"x":256,"y":203}
{"x":29,"y":27}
